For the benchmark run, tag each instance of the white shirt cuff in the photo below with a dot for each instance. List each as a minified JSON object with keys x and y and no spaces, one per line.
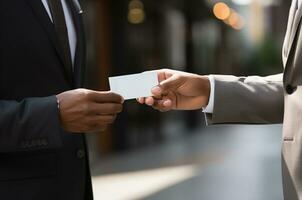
{"x":210,"y":106}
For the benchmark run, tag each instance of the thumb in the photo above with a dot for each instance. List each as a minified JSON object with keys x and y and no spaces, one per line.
{"x":169,"y":85}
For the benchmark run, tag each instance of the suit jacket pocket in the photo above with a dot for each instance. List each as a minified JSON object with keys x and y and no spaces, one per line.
{"x":17,"y":166}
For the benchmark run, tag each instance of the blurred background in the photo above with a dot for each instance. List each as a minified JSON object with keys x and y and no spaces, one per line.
{"x":163,"y":156}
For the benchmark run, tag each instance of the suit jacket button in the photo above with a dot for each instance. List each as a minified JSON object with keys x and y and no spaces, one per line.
{"x":290,"y":89}
{"x":80,"y":153}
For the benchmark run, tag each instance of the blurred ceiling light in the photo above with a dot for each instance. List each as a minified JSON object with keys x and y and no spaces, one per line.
{"x":136,"y":4}
{"x":136,"y":16}
{"x":221,"y":11}
{"x":236,"y":21}
{"x":242,"y":2}
{"x":136,"y":13}
{"x":263,"y":3}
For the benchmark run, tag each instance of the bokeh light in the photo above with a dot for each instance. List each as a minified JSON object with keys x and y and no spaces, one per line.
{"x":228,"y":15}
{"x":236,"y":21}
{"x":221,"y":11}
{"x":136,"y":14}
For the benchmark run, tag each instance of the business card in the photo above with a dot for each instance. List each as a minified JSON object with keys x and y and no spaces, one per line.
{"x":135,"y":85}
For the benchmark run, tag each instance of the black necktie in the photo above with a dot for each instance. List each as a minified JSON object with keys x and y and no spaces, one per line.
{"x":58,"y":18}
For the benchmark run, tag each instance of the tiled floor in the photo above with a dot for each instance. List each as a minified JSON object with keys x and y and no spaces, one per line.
{"x":219,"y":162}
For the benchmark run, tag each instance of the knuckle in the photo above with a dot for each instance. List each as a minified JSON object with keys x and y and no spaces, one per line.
{"x":89,"y":95}
{"x":80,"y":90}
{"x":110,"y":95}
{"x":84,"y":94}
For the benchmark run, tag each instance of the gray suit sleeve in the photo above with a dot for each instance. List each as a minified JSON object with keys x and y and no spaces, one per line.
{"x":247,"y":100}
{"x":31,"y":124}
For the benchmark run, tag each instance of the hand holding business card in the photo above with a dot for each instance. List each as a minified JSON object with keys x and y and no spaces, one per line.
{"x":135,"y":85}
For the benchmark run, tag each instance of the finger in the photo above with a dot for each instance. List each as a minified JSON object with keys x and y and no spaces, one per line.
{"x":163,"y":105}
{"x":167,"y":103}
{"x":157,"y":91}
{"x":96,"y":123}
{"x":102,"y":120}
{"x":149,"y":101}
{"x":99,"y":123}
{"x":141,"y":100}
{"x":171,"y":84}
{"x":162,"y":109}
{"x":161,"y":75}
{"x":106,"y":97}
{"x":104,"y":108}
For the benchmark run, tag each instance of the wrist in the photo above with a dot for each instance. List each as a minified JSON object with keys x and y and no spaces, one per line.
{"x":198,"y":92}
{"x":204,"y":89}
{"x":207,"y":89}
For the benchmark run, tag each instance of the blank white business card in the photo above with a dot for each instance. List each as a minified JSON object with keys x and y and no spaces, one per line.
{"x":135,"y":85}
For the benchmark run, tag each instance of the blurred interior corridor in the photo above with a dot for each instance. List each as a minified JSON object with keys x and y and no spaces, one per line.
{"x":146,"y":154}
{"x":172,"y":156}
{"x":224,"y":162}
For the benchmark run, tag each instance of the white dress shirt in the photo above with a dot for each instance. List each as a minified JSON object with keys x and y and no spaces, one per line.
{"x":210,"y":106}
{"x":70,"y":27}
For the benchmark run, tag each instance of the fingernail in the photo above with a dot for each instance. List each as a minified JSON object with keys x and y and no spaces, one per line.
{"x":156,"y":90}
{"x":149,"y":101}
{"x":167,"y":103}
{"x":139,"y":100}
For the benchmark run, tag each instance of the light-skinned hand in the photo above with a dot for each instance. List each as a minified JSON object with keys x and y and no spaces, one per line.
{"x":178,"y":91}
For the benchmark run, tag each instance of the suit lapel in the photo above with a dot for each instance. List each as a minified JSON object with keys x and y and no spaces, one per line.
{"x":294,"y":29}
{"x":291,"y":18}
{"x":48,"y":26}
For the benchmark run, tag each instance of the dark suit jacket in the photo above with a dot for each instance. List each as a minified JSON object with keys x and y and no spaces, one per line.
{"x":38,"y":160}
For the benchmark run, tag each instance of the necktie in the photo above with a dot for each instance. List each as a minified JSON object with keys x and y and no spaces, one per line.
{"x":58,"y":17}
